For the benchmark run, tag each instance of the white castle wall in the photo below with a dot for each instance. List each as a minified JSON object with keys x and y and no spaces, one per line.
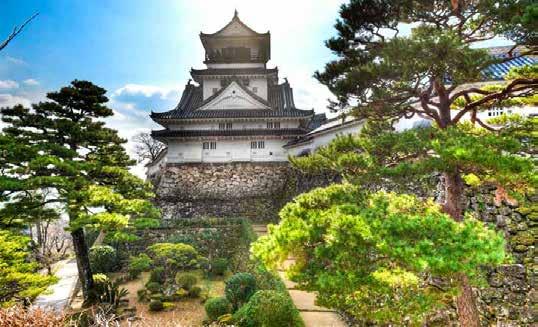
{"x":226,"y":151}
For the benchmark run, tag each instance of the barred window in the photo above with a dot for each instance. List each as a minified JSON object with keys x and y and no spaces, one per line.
{"x":225,"y":125}
{"x":257,"y":145}
{"x":273,"y":125}
{"x":209,"y":145}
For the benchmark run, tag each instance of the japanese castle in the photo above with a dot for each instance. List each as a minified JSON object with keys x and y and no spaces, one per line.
{"x":237,"y":111}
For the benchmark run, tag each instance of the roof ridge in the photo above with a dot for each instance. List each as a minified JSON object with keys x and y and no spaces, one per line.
{"x":234,"y":19}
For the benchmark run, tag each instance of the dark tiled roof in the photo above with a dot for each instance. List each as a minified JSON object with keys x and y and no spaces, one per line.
{"x":234,"y":71}
{"x":234,"y":19}
{"x":280,"y":100}
{"x":229,"y":132}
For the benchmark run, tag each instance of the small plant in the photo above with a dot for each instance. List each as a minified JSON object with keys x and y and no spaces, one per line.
{"x":142,"y":295}
{"x":168,"y":305}
{"x":153,"y":287}
{"x":156,"y":305}
{"x":239,"y":288}
{"x":107,"y":291}
{"x":270,"y":309}
{"x":217,"y":307}
{"x":181,"y":294}
{"x":139,"y":264}
{"x":186,"y":280}
{"x":157,"y":275}
{"x":103,"y":259}
{"x":195,"y":291}
{"x":219,"y":266}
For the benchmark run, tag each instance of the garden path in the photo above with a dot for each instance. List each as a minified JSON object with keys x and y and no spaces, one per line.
{"x":57,"y":296}
{"x":312,"y":314}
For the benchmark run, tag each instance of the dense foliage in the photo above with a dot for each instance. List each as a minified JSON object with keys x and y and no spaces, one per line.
{"x":19,"y":278}
{"x":103,"y":259}
{"x":62,"y":146}
{"x":381,"y":256}
{"x":405,"y":58}
{"x":239,"y":288}
{"x":139,"y":264}
{"x":268,"y":309}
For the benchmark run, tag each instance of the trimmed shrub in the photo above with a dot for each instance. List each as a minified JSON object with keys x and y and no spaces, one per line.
{"x":139,"y":264}
{"x":175,"y":256}
{"x":216,"y":307}
{"x":142,"y":295}
{"x":153,"y":287}
{"x":103,"y":259}
{"x":157,"y":275}
{"x":269,"y":309}
{"x":239,"y":288}
{"x":156,"y":305}
{"x":186,"y":280}
{"x":195,"y":291}
{"x":219,"y":266}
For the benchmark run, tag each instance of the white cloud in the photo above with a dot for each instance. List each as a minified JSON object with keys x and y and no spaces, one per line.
{"x":8,"y":84}
{"x":31,"y":82}
{"x":145,"y":90}
{"x":15,"y":61}
{"x":9,"y":100}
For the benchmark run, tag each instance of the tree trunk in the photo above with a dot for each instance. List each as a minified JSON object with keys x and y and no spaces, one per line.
{"x":83,"y":265}
{"x":468,"y":315}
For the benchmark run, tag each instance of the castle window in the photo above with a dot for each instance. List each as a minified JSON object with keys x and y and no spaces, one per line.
{"x":215,"y":90}
{"x":209,"y":145}
{"x":255,"y":89}
{"x":273,"y":125}
{"x":257,"y":145}
{"x":223,"y":126}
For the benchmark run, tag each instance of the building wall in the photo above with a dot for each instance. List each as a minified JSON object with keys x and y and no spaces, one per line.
{"x":226,"y":151}
{"x":325,"y":138}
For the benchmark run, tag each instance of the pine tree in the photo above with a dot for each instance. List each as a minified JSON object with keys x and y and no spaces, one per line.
{"x":63,"y":146}
{"x":384,"y":75}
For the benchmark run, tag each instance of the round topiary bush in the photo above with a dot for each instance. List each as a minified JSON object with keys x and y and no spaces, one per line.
{"x":239,"y":288}
{"x":216,"y":307}
{"x":156,"y":305}
{"x":219,"y":266}
{"x":186,"y":280}
{"x":157,"y":275}
{"x":139,"y":264}
{"x":268,"y":308}
{"x":153,"y":287}
{"x":103,"y":259}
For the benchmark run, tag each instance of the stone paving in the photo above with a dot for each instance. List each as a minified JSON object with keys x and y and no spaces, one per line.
{"x":58,"y":295}
{"x":312,"y":314}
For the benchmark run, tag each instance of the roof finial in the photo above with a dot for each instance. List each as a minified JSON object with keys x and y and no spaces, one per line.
{"x":235,"y":13}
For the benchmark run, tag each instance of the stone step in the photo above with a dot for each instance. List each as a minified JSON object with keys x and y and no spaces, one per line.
{"x":321,"y":319}
{"x":305,"y":301}
{"x":289,"y":284}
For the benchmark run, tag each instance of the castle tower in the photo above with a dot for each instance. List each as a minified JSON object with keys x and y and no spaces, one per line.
{"x":237,"y":111}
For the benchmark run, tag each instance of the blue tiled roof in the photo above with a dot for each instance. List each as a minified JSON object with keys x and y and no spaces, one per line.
{"x":498,"y":71}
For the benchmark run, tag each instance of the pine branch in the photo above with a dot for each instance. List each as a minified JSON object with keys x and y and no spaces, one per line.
{"x":16,"y":30}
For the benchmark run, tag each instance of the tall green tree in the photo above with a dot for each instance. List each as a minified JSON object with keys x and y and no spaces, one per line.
{"x":382,"y":74}
{"x":63,"y":146}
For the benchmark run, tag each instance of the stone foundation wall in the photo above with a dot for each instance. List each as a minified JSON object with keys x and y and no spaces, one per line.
{"x":250,"y":190}
{"x":511,"y":299}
